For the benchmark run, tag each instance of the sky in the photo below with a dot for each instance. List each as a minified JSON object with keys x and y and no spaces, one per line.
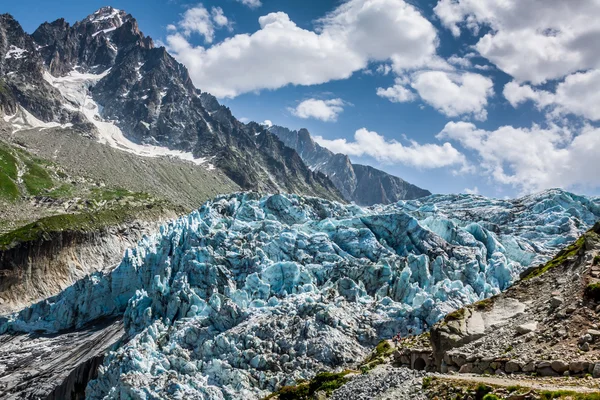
{"x":496,"y":97}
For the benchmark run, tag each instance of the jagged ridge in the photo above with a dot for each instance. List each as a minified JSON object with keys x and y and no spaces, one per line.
{"x":361,"y":184}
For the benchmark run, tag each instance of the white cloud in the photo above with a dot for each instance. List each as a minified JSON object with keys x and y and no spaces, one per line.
{"x":398,"y":93}
{"x":250,"y":3}
{"x":267,"y":123}
{"x":199,"y":20}
{"x":462,"y":62}
{"x":578,"y":94}
{"x":324,"y":110}
{"x":281,"y":53}
{"x":219,"y":17}
{"x":533,"y":159}
{"x":384,"y":69}
{"x":533,"y":40}
{"x":475,"y":190}
{"x":454,"y":94}
{"x":368,"y":143}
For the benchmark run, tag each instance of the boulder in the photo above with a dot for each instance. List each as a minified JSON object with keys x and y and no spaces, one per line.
{"x":526,"y":328}
{"x":529,"y":367}
{"x":585,"y":339}
{"x":596,"y":371}
{"x":578,"y":367}
{"x":595,"y":334}
{"x":513,"y":366}
{"x":559,"y":366}
{"x":459,"y":359}
{"x":556,"y":301}
{"x":466,"y":368}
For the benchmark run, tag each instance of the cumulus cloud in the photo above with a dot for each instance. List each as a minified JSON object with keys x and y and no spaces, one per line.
{"x":368,"y":143}
{"x":398,"y":93}
{"x":267,"y":123}
{"x":578,"y":94}
{"x":324,"y":110}
{"x":532,"y":159}
{"x":474,"y":190}
{"x":453,"y":94}
{"x":251,"y":3}
{"x":533,"y":41}
{"x":200,"y":21}
{"x":281,"y":53}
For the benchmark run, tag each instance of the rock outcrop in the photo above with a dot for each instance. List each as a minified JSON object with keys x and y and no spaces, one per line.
{"x":544,"y":324}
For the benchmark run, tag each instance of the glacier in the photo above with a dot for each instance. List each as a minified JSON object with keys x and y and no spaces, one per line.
{"x":252,"y":292}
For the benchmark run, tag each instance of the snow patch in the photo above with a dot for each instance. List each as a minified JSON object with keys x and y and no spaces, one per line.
{"x":15,"y":52}
{"x":104,"y":31}
{"x":75,"y":88}
{"x":23,"y":120}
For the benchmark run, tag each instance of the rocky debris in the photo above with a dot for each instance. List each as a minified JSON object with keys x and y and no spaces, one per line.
{"x":383,"y":383}
{"x":550,"y":329}
{"x":465,"y":387}
{"x":69,"y":361}
{"x":361,"y":184}
{"x":526,"y":328}
{"x":251,"y":293}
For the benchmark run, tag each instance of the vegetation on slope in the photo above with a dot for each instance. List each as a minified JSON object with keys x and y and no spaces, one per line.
{"x":66,"y":203}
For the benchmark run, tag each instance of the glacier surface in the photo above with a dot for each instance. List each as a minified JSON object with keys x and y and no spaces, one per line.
{"x":253,"y":292}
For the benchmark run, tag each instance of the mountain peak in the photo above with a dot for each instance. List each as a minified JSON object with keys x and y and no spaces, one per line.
{"x":107,"y":19}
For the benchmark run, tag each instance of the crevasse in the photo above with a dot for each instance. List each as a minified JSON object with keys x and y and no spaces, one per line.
{"x":252,"y":292}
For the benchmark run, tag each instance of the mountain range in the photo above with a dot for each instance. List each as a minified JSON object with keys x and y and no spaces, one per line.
{"x":104,"y":78}
{"x":357,"y":183}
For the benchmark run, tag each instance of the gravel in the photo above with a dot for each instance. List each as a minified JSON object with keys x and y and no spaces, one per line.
{"x":384,"y":383}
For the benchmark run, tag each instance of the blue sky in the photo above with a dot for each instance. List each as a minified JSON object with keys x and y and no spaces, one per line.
{"x":454,"y":96}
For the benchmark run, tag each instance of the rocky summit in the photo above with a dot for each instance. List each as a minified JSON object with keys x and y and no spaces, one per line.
{"x":251,"y":293}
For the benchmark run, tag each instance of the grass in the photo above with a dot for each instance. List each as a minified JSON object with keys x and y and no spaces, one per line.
{"x":427,"y":381}
{"x":37,"y":180}
{"x":566,"y":394}
{"x":592,"y":291}
{"x":8,"y":163}
{"x":596,"y":260}
{"x":85,"y":221}
{"x":109,"y":194}
{"x":8,"y":175}
{"x":491,"y":396}
{"x":560,"y":258}
{"x":8,"y":188}
{"x":377,"y":356}
{"x":63,"y":191}
{"x":323,"y":382}
{"x":455,"y":315}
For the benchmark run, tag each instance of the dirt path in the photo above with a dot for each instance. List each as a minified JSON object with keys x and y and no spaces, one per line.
{"x":541,"y":384}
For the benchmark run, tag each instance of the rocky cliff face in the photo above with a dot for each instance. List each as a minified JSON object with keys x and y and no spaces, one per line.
{"x":361,"y":184}
{"x":103,"y":77}
{"x":36,"y":269}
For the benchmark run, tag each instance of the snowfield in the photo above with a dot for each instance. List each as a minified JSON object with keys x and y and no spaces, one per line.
{"x":252,"y":292}
{"x":75,"y":88}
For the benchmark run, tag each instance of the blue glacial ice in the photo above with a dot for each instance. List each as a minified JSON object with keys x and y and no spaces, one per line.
{"x":252,"y":292}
